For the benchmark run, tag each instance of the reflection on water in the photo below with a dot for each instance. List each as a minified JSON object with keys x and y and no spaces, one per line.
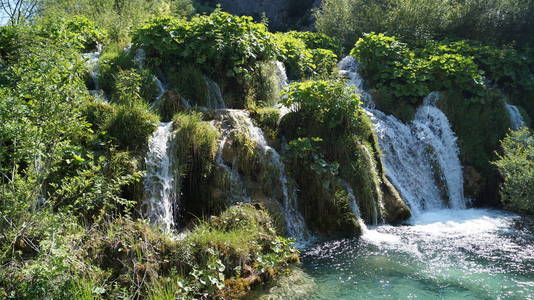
{"x":445,"y":254}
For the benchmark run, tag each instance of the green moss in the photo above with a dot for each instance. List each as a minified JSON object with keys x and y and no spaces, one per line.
{"x":479,"y":128}
{"x":131,"y":126}
{"x":267,"y":119}
{"x":196,"y":147}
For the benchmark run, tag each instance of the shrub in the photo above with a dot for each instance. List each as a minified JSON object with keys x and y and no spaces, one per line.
{"x":77,"y":32}
{"x":315,"y":40}
{"x":218,"y":44}
{"x":131,"y":126}
{"x":302,"y":61}
{"x":516,"y":165}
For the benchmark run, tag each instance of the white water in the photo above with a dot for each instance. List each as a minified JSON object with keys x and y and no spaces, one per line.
{"x":420,"y":158}
{"x":296,"y":226}
{"x":515,"y":116}
{"x":215,"y":97}
{"x":160,"y":194}
{"x":92,"y":61}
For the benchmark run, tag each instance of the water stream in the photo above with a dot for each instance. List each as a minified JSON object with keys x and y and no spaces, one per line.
{"x":161,"y":199}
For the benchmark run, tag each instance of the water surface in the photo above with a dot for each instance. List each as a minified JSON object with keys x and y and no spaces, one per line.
{"x":443,"y":254}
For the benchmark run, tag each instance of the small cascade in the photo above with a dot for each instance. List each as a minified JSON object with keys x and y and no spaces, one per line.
{"x":238,"y":192}
{"x":161,"y":87}
{"x":353,"y":202}
{"x":215,"y":97}
{"x":420,"y":158}
{"x":241,"y":121}
{"x":349,"y":68}
{"x":515,"y":116}
{"x":282,"y":75}
{"x":93,"y":60}
{"x":160,"y":193}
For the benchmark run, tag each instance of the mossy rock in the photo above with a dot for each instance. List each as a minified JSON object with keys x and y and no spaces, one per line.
{"x":396,"y":210}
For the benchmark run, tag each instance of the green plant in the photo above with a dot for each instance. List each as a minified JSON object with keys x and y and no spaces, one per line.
{"x":516,"y":165}
{"x":131,"y":126}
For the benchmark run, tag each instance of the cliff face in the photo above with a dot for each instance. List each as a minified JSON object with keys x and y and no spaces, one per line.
{"x":282,"y":14}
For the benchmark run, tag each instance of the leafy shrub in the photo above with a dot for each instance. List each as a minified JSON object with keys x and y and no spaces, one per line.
{"x":118,"y":18}
{"x":77,"y":31}
{"x":516,"y":166}
{"x":330,"y":103}
{"x":389,"y":64}
{"x":301,"y":61}
{"x":315,"y":40}
{"x":219,"y":43}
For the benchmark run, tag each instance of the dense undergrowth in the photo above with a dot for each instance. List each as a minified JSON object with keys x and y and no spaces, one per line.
{"x":71,"y":165}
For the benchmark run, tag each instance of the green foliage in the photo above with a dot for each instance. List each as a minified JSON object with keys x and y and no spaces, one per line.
{"x":131,"y":126}
{"x":117,"y":17}
{"x":263,"y":86}
{"x":516,"y":165}
{"x":389,"y":64}
{"x":301,"y":60}
{"x":220,"y":43}
{"x":77,"y":31}
{"x":315,"y":40}
{"x":307,"y":150}
{"x":330,"y":103}
{"x":499,"y":21}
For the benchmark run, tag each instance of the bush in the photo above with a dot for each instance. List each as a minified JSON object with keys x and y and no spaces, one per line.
{"x":391,"y":66}
{"x":118,"y":18}
{"x":303,"y":62}
{"x":315,"y":40}
{"x":131,"y":126}
{"x":78,"y":32}
{"x":516,"y":165}
{"x":218,"y":44}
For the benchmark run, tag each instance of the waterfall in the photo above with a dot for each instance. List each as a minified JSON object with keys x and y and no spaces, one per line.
{"x":160,"y":194}
{"x":241,"y":121}
{"x":92,"y":61}
{"x":353,"y":203}
{"x":515,"y":116}
{"x":161,"y":87}
{"x":420,"y":158}
{"x":215,"y":97}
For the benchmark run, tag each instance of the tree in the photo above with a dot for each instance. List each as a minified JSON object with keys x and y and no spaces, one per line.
{"x":18,"y":11}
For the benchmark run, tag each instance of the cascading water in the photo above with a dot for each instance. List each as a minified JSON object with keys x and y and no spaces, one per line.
{"x":515,"y":116}
{"x":93,"y":60}
{"x":161,"y":199}
{"x":241,"y":121}
{"x":215,"y":97}
{"x":421,"y":158}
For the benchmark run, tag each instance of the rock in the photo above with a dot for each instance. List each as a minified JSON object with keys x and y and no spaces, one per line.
{"x":396,"y":209}
{"x":473,"y":182}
